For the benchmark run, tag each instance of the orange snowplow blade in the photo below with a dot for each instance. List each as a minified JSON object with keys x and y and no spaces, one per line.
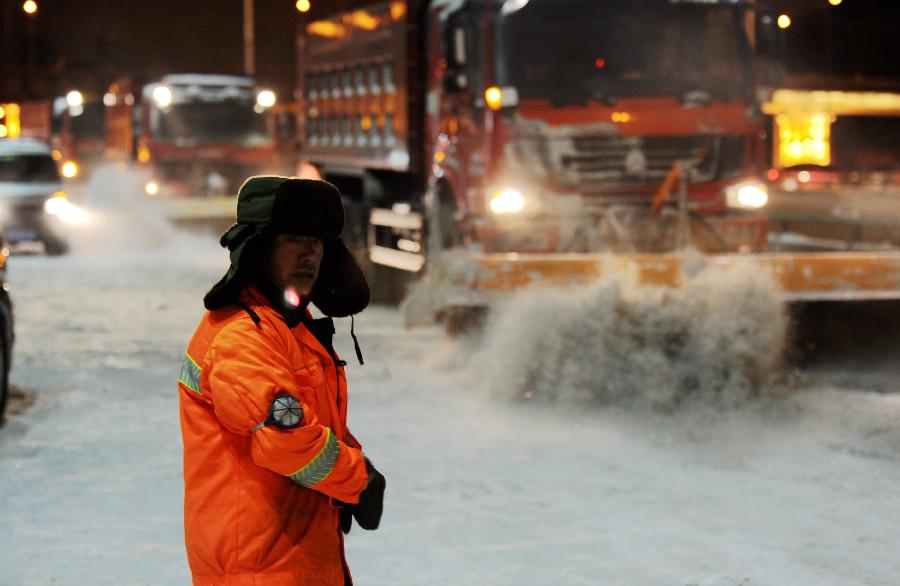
{"x":803,"y":276}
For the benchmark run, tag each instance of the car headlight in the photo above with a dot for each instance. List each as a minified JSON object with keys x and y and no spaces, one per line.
{"x":59,"y":206}
{"x":507,"y":201}
{"x":747,"y":195}
{"x":70,"y":169}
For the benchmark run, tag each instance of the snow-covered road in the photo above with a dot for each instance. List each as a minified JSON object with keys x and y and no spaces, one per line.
{"x":798,"y":491}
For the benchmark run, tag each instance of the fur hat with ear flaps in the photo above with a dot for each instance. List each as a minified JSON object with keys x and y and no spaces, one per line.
{"x":270,"y":205}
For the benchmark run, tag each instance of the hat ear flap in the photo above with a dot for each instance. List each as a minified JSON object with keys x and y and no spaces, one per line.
{"x":341,"y":288}
{"x":245,"y":259}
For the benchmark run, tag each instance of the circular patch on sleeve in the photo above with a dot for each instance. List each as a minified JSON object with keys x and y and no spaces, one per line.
{"x":285,"y":412}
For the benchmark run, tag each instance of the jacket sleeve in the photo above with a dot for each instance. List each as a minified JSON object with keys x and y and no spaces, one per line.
{"x":248,"y":366}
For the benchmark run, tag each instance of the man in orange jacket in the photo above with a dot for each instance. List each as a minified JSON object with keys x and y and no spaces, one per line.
{"x":272,"y":474}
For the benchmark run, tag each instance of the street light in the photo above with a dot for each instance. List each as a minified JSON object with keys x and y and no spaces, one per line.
{"x":835,"y":2}
{"x":30,"y":7}
{"x":784,"y":21}
{"x":303,"y":5}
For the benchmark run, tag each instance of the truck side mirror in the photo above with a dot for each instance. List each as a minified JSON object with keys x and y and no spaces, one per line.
{"x":455,"y":77}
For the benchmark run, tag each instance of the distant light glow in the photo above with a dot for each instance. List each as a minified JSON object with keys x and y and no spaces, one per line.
{"x":303,"y":5}
{"x":804,"y":176}
{"x":162,"y":96}
{"x":74,"y":99}
{"x":772,"y":175}
{"x":494,"y":97}
{"x":151,"y":188}
{"x":70,"y":169}
{"x":600,"y":63}
{"x":507,"y":201}
{"x":109,"y":99}
{"x":30,"y":7}
{"x":835,"y":2}
{"x":364,"y":20}
{"x":58,"y":205}
{"x":511,"y":6}
{"x":4,"y":132}
{"x":752,"y":196}
{"x":784,"y":21}
{"x":746,"y":195}
{"x":266,"y":98}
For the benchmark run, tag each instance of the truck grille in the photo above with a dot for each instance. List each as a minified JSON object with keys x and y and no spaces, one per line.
{"x":632,"y":161}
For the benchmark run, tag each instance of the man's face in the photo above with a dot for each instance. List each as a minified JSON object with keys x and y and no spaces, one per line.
{"x":294,"y":263}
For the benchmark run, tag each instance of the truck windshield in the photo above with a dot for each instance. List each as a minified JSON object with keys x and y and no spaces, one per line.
{"x":572,"y":50}
{"x":28,"y":169}
{"x":224,"y":122}
{"x":89,"y":123}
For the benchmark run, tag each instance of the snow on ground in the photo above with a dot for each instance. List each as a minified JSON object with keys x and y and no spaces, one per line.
{"x":482,"y":489}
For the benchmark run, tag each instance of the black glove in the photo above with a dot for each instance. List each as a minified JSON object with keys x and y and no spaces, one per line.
{"x":367,"y":511}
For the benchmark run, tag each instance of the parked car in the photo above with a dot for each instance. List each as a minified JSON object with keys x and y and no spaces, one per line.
{"x":30,"y":189}
{"x":6,"y":330}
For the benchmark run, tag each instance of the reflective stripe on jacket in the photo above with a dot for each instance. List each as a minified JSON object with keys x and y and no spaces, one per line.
{"x":257,"y":504}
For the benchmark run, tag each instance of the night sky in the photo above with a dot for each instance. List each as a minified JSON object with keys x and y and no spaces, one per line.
{"x":88,"y":43}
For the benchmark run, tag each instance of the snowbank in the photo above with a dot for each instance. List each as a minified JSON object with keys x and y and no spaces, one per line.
{"x":720,"y":338}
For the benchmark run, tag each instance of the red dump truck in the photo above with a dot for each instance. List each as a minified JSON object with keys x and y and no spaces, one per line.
{"x":196,"y":136}
{"x":548,"y":140}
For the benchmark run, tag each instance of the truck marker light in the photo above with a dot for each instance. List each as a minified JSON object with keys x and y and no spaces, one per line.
{"x":398,"y":10}
{"x":494,"y":97}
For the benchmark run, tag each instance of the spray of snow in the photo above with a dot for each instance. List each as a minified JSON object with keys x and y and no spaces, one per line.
{"x":123,"y":219}
{"x":718,"y":339}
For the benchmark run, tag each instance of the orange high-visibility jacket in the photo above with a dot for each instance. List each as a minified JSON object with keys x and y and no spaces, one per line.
{"x":257,"y":504}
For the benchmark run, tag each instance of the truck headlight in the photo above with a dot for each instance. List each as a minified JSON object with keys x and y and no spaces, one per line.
{"x":747,"y":195}
{"x":507,"y":201}
{"x":265,"y":99}
{"x":162,"y":95}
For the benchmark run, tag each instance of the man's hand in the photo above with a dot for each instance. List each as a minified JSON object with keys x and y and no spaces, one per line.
{"x":367,"y":511}
{"x":371,"y":500}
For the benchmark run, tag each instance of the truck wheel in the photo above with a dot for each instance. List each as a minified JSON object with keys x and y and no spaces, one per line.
{"x":55,"y":246}
{"x":459,"y":320}
{"x":389,"y":286}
